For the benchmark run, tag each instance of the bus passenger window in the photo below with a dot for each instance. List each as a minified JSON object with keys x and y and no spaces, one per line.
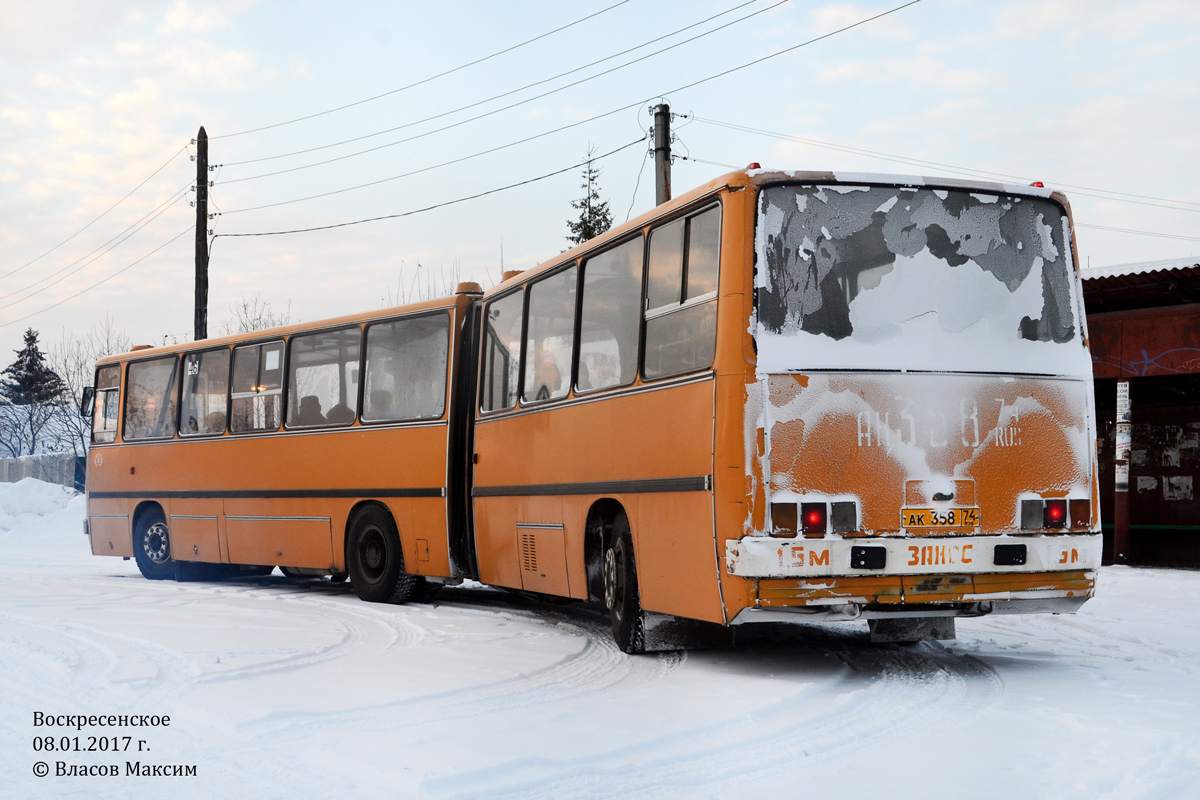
{"x":107,"y":405}
{"x":257,"y":387}
{"x":205,"y":393}
{"x":501,"y":352}
{"x":608,"y":330}
{"x":323,"y":378}
{"x":406,"y":369}
{"x":681,"y":302}
{"x":150,"y":399}
{"x":550,"y":337}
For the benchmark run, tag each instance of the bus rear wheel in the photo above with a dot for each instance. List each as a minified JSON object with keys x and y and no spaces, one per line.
{"x":152,"y":546}
{"x":621,"y":590}
{"x":374,"y":558}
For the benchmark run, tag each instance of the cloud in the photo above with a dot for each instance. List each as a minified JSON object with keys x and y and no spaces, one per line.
{"x":832,"y":17}
{"x":921,"y":70}
{"x":183,"y":18}
{"x":207,"y":63}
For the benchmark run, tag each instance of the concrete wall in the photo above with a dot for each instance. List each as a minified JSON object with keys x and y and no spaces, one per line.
{"x":57,"y":468}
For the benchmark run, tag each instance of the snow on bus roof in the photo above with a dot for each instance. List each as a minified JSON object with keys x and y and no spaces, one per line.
{"x":909,"y":180}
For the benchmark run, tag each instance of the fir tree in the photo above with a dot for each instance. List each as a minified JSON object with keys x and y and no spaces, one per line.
{"x":29,"y":381}
{"x":594,"y":217}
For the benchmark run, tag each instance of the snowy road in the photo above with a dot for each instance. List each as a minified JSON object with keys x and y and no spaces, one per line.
{"x":283,"y":689}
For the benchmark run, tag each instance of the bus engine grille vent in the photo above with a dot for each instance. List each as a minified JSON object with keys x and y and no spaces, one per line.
{"x":528,"y":552}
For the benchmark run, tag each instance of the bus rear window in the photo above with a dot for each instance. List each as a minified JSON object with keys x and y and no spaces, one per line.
{"x":150,"y":399}
{"x":880,"y":277}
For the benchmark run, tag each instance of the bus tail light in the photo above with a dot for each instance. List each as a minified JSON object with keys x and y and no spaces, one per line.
{"x":783,"y":519}
{"x":1033,"y":514}
{"x":1056,"y":514}
{"x":813,"y":518}
{"x":1081,"y":513}
{"x":843,"y":517}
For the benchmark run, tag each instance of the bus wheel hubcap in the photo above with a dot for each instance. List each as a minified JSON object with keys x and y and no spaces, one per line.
{"x":156,"y":543}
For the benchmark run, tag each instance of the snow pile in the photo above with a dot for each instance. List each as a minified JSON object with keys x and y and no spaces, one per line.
{"x":26,"y":500}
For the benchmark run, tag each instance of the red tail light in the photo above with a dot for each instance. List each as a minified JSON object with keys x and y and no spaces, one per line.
{"x":813,"y":517}
{"x":1056,"y":514}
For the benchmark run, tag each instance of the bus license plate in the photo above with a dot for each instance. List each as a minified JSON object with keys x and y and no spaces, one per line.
{"x":939,"y":518}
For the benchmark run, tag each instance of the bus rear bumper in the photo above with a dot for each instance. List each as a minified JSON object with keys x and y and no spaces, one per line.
{"x":849,"y":610}
{"x":886,"y":557}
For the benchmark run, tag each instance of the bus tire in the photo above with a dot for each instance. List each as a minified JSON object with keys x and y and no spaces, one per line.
{"x":621,"y":590}
{"x":152,"y":546}
{"x":374,"y":558}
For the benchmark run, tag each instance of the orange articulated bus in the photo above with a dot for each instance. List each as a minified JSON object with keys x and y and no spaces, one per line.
{"x":780,"y":397}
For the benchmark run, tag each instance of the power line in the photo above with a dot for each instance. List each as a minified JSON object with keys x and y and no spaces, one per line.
{"x":440,"y":205}
{"x":97,"y":219}
{"x":1139,"y":233}
{"x":104,"y":248}
{"x":99,"y":282}
{"x":1078,"y":190}
{"x":163,"y":210}
{"x":424,"y":80}
{"x":496,"y":97}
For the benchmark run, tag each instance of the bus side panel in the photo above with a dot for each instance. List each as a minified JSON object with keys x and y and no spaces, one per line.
{"x":110,"y":525}
{"x":195,"y":530}
{"x":291,"y":533}
{"x":427,"y":532}
{"x":572,"y":450}
{"x":677,"y":571}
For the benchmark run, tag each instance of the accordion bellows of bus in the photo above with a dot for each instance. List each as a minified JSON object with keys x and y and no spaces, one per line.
{"x":783,"y":396}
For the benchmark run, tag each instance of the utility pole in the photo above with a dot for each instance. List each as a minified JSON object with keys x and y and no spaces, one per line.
{"x":662,"y":153}
{"x":201,"y":235}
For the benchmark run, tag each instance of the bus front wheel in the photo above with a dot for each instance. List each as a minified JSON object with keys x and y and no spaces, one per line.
{"x":152,"y":546}
{"x":621,"y":590}
{"x":374,"y":558}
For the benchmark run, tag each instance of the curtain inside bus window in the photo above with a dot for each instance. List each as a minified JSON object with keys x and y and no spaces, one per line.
{"x":107,"y":405}
{"x":608,"y":325}
{"x":681,"y":302}
{"x":323,"y":378}
{"x":205,"y":393}
{"x":406,"y":369}
{"x":884,"y":276}
{"x":550,"y":337}
{"x":257,"y":387}
{"x":501,"y":352}
{"x":150,"y":399}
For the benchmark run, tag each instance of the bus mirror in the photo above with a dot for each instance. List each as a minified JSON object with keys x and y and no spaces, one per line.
{"x":88,"y":401}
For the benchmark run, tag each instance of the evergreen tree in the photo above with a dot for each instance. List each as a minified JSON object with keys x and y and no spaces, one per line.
{"x":594,"y":216}
{"x":29,"y":381}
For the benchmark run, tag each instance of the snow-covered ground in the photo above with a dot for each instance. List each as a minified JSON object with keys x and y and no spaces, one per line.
{"x":283,"y":689}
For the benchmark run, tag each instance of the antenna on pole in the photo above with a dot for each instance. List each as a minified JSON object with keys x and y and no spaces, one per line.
{"x":201,"y":235}
{"x":662,"y":153}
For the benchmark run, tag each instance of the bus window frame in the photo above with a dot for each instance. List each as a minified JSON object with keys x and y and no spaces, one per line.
{"x":483,"y":362}
{"x":125,"y":393}
{"x":283,"y":387}
{"x":286,"y":383}
{"x":446,"y":388}
{"x":120,"y":390}
{"x":522,"y":402}
{"x":705,"y":205}
{"x":228,"y":394}
{"x":640,"y":233}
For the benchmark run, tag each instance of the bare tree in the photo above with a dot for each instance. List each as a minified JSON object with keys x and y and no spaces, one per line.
{"x":253,"y":313}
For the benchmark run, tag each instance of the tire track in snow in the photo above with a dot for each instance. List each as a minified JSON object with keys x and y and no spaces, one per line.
{"x":910,"y":684}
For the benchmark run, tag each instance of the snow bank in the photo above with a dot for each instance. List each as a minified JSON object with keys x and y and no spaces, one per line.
{"x":28,"y":499}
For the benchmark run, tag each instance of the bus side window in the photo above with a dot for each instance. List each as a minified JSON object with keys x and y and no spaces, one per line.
{"x":323,"y":378}
{"x":550,"y":337}
{"x":406,"y":369}
{"x":609,"y":320}
{"x":107,"y":404}
{"x":681,"y":295}
{"x":501,"y":352}
{"x":205,"y":393}
{"x":257,"y":387}
{"x":150,"y":399}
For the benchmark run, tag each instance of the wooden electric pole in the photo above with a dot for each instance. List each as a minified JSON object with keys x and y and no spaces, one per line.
{"x":662,"y":153}
{"x":201,"y":235}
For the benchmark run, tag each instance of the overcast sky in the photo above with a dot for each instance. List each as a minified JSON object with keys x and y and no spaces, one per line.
{"x":1096,"y":98}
